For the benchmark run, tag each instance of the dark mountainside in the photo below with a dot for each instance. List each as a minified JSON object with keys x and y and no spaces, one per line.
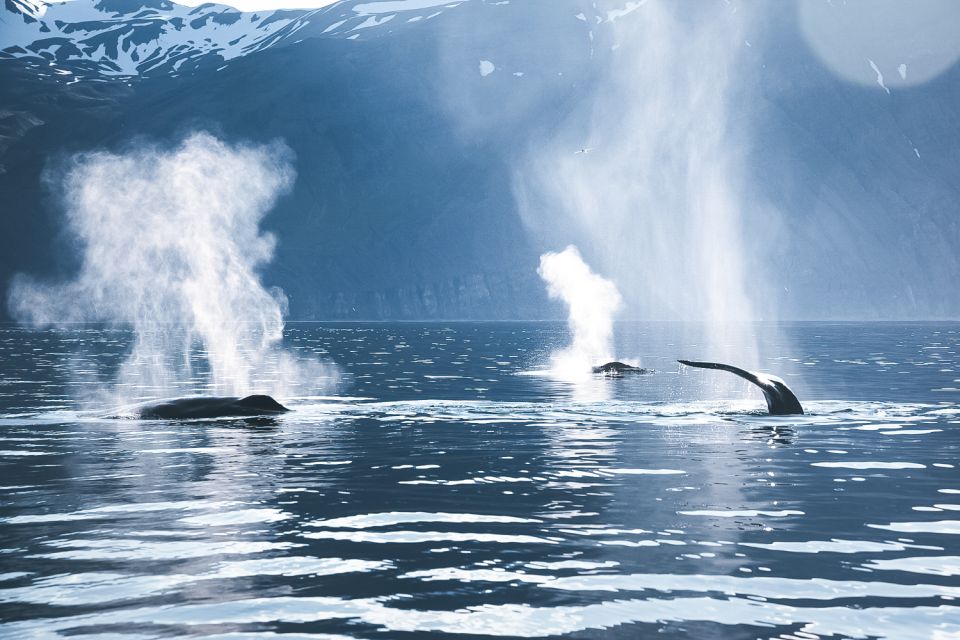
{"x":404,"y":208}
{"x":397,"y":211}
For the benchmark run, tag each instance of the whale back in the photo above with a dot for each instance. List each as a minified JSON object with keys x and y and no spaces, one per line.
{"x":197,"y":407}
{"x":617,"y":368}
{"x":781,"y":401}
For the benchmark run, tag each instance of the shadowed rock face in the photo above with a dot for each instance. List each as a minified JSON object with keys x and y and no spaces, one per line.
{"x":619,"y":368}
{"x":211,"y":407}
{"x":781,"y":401}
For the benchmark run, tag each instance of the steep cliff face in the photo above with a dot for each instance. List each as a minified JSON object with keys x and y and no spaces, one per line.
{"x":413,"y":123}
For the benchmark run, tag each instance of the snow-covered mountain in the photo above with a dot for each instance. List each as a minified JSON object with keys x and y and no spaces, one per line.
{"x":124,"y":38}
{"x":423,"y":129}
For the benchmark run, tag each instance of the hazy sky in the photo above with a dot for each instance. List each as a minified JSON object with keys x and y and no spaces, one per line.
{"x":261,"y":5}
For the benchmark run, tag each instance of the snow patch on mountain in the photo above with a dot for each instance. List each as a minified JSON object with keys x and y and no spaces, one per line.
{"x":630,"y":7}
{"x":125,"y":38}
{"x":393,"y":6}
{"x":133,"y":38}
{"x":373,"y":21}
{"x":30,"y":9}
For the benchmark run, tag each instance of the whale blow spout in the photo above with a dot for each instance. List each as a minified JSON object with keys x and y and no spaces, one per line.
{"x":619,"y":368}
{"x":210,"y":407}
{"x":780,"y":399}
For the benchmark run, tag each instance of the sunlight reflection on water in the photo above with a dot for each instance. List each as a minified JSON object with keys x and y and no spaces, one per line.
{"x":518,"y":510}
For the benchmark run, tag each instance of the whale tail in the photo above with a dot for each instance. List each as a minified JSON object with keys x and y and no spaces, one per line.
{"x":781,"y":401}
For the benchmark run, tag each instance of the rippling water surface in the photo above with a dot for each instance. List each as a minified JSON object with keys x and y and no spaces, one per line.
{"x":444,"y":492}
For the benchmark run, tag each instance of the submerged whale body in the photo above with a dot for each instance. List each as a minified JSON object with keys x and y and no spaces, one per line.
{"x":211,"y":407}
{"x":780,"y":399}
{"x":618,"y":369}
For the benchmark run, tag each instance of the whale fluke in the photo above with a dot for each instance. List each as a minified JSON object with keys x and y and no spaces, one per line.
{"x":210,"y":407}
{"x":780,"y":399}
{"x":619,"y":368}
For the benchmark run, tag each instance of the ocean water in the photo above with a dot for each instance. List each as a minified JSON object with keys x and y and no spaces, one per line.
{"x":444,"y":489}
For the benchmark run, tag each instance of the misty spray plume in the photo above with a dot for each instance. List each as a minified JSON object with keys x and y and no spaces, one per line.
{"x":170,"y":244}
{"x":662,"y":198}
{"x":591,"y":300}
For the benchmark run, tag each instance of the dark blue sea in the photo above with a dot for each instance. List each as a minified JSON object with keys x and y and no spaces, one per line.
{"x":443,"y":489}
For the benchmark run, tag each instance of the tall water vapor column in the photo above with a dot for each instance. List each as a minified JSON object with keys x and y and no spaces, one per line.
{"x":658,"y":194}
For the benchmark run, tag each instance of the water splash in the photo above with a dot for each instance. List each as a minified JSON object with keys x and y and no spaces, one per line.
{"x":592,"y":302}
{"x":170,"y":243}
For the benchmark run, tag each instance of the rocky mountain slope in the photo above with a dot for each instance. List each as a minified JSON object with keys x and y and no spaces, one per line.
{"x":122,"y":38}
